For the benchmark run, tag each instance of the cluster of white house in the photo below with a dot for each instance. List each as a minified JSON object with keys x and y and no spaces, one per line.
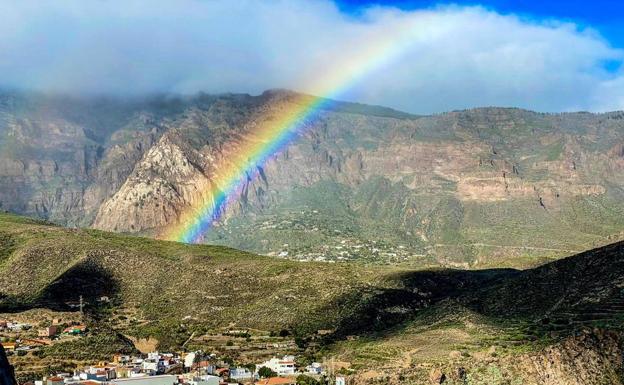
{"x":123,"y":368}
{"x":283,"y":367}
{"x":168,"y":369}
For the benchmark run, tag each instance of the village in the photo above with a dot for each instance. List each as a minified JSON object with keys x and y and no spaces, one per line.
{"x":192,"y":368}
{"x":56,"y":330}
{"x":20,"y":339}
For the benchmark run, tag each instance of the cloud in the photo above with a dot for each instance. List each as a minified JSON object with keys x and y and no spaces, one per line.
{"x":450,"y":58}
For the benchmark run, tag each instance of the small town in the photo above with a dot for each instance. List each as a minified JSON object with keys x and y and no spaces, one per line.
{"x":23,"y":339}
{"x":191,"y":368}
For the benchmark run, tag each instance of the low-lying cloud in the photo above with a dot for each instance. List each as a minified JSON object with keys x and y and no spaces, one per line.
{"x":465,"y":56}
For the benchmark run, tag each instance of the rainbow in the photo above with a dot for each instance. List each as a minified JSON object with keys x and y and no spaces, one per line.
{"x":266,"y":141}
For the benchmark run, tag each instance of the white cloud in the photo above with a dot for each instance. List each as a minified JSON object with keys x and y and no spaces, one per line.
{"x":460,"y":57}
{"x":609,"y":95}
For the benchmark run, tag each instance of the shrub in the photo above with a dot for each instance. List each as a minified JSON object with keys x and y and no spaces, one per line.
{"x":302,"y":379}
{"x":265,"y":372}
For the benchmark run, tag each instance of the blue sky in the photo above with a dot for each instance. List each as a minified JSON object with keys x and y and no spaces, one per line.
{"x":547,"y":56}
{"x":607,"y":16}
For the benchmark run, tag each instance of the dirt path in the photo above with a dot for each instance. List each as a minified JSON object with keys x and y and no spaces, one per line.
{"x":478,"y":244}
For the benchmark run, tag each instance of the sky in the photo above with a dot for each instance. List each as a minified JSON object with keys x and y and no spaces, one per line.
{"x":607,"y":16}
{"x":437,"y":56}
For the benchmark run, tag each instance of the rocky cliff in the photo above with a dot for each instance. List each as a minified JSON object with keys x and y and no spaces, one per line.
{"x":480,"y":187}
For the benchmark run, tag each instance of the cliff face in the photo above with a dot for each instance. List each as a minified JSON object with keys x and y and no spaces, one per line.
{"x":481,"y":187}
{"x":162,"y":183}
{"x":60,"y":158}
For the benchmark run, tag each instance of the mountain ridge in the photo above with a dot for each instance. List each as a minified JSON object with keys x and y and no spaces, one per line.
{"x":452,"y":187}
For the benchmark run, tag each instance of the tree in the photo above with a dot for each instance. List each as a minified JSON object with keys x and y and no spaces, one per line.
{"x":251,"y":367}
{"x":301,"y":342}
{"x":265,"y":372}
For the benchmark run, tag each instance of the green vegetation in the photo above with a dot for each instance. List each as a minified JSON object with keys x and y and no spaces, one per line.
{"x":213,"y":285}
{"x":265,"y":372}
{"x":302,"y":379}
{"x":377,"y":316}
{"x":475,"y":188}
{"x":98,"y":346}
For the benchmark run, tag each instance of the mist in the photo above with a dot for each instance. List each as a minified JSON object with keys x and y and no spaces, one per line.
{"x":471,"y":56}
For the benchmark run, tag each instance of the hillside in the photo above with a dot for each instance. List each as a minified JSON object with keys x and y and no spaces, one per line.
{"x":481,"y":188}
{"x":558,"y":323}
{"x":49,"y":266}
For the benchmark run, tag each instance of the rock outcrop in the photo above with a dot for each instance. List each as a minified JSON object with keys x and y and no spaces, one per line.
{"x":466,"y":187}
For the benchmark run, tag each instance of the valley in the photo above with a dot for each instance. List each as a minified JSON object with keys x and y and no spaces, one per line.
{"x":472,"y":189}
{"x":476,"y":246}
{"x":311,"y":192}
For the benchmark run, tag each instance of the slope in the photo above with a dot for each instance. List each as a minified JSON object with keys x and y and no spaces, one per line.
{"x":479,"y":188}
{"x":389,"y":324}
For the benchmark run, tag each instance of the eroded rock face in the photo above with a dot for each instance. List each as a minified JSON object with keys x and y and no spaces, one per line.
{"x":161,"y":184}
{"x":458,"y":186}
{"x":60,"y":157}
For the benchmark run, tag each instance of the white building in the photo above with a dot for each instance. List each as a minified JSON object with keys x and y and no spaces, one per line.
{"x":241,"y":374}
{"x":206,"y":380}
{"x":16,"y":326}
{"x":314,"y":368}
{"x":283,"y":367}
{"x":147,"y":380}
{"x":189,"y":359}
{"x":122,"y":358}
{"x":150,"y":365}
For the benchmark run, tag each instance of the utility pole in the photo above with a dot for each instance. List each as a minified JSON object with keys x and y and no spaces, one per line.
{"x":81,"y":308}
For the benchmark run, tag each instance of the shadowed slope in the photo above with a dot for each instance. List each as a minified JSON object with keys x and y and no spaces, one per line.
{"x":50,"y":266}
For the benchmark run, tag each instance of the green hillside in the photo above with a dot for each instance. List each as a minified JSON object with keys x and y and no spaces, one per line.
{"x":387,"y":319}
{"x":44,"y":265}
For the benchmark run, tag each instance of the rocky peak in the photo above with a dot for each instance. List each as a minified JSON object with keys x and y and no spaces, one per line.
{"x":168,"y":178}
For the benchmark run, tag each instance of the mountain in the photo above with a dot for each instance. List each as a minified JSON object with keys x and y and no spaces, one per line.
{"x":559,"y":323}
{"x":481,"y":188}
